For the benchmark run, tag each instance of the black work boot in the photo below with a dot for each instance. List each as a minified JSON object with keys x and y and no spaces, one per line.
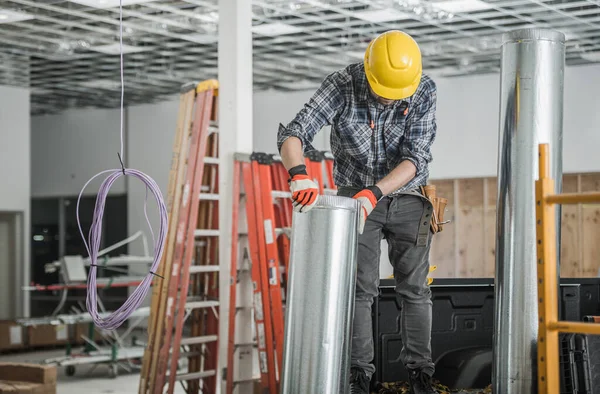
{"x":420,"y":382}
{"x":359,"y":382}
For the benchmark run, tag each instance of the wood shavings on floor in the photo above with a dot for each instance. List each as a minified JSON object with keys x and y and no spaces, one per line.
{"x":402,"y":388}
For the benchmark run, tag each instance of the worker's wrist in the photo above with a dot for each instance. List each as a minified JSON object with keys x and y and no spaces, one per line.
{"x":376,"y":192}
{"x":297,"y":170}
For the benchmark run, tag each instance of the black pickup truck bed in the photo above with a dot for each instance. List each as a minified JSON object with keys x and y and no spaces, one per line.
{"x":463,"y":324}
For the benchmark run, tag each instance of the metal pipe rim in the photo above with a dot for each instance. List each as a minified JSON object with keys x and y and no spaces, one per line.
{"x":533,"y":34}
{"x":325,"y":201}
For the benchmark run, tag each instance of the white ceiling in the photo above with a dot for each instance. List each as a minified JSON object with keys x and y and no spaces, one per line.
{"x":67,"y":51}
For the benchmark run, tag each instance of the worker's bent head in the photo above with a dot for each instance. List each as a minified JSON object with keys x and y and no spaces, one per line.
{"x":393,"y":66}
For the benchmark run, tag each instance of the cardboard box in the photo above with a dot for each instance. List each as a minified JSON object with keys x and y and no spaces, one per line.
{"x":27,"y":378}
{"x":25,"y":372}
{"x":10,"y":387}
{"x":11,"y":335}
{"x":47,"y":334}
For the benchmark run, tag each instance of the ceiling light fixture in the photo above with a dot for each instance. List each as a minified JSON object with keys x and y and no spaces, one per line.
{"x":275,"y":29}
{"x":378,"y":16}
{"x":455,"y":6}
{"x":591,"y":56}
{"x":114,"y":49}
{"x":10,"y":16}
{"x":302,"y":84}
{"x":200,"y":38}
{"x":109,"y":3}
{"x":107,"y":84}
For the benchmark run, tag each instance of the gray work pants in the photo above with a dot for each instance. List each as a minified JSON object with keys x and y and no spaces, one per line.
{"x":403,"y":221}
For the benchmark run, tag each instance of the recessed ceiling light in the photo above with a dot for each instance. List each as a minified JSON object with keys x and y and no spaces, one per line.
{"x":202,"y":38}
{"x":376,"y":16}
{"x":591,"y":56}
{"x":9,"y":16}
{"x":114,"y":49}
{"x":40,"y":91}
{"x":107,"y":84}
{"x":275,"y":29}
{"x":570,"y":34}
{"x":299,"y":85}
{"x":109,"y":3}
{"x":458,"y":6}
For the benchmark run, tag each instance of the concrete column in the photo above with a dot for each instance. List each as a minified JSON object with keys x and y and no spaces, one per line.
{"x":531,"y":112}
{"x":235,"y":135}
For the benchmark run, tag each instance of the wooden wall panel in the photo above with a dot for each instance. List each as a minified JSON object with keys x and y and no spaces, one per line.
{"x":443,"y":246}
{"x":466,"y":247}
{"x":489,"y":246}
{"x":590,"y":214}
{"x":570,"y":262}
{"x":471,"y":228}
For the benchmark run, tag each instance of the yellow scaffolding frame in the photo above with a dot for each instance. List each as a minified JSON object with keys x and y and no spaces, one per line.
{"x":549,"y":325}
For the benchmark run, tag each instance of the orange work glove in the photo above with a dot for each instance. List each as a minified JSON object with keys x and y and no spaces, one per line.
{"x":368,"y":199}
{"x":304,"y":190}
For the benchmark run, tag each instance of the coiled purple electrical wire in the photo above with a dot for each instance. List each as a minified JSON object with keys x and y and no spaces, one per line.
{"x":118,"y":317}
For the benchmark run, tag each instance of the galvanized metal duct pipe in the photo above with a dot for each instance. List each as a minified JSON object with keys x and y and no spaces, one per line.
{"x":531,"y":112}
{"x":320,"y":298}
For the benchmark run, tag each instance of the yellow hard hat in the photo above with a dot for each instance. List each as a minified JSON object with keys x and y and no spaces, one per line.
{"x":393,"y":65}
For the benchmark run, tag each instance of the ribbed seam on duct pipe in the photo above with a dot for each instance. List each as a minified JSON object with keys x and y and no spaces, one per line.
{"x":531,"y":112}
{"x":320,"y":304}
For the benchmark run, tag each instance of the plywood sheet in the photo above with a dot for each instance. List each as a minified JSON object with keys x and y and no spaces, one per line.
{"x":570,"y":264}
{"x":590,"y":227}
{"x":471,"y":228}
{"x":489,"y":252}
{"x":443,"y":247}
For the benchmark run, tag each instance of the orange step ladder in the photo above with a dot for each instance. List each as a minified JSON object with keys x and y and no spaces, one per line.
{"x":255,"y":174}
{"x":190,"y":251}
{"x":264,"y":206}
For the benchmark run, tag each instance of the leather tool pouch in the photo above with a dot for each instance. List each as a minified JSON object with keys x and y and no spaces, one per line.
{"x":439,"y":206}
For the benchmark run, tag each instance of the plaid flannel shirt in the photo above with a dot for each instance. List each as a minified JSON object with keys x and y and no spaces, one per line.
{"x":368,"y":139}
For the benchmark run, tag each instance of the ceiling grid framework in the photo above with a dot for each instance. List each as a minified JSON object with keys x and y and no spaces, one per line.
{"x":67,"y":52}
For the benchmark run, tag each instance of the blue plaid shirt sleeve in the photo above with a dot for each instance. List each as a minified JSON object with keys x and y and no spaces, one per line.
{"x":321,"y":110}
{"x":420,"y":131}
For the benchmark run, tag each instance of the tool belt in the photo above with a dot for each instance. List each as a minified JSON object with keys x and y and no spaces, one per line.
{"x":439,"y":206}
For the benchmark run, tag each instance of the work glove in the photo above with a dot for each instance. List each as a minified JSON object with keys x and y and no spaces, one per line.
{"x":304,"y":190}
{"x":368,"y":200}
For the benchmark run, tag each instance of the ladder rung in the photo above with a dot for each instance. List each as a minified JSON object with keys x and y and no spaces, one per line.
{"x":284,"y":230}
{"x":281,"y":194}
{"x":206,"y":233}
{"x":198,"y":340}
{"x":189,"y":354}
{"x":246,"y":344}
{"x":196,"y":269}
{"x":209,"y":197}
{"x":211,"y":160}
{"x":200,"y":304}
{"x":195,"y":375}
{"x":213,"y":129}
{"x":245,"y":380}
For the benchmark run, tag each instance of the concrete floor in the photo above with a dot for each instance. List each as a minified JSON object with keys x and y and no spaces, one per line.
{"x":86,"y":380}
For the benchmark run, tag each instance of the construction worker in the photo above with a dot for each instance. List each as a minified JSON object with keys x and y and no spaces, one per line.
{"x":382,"y":117}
